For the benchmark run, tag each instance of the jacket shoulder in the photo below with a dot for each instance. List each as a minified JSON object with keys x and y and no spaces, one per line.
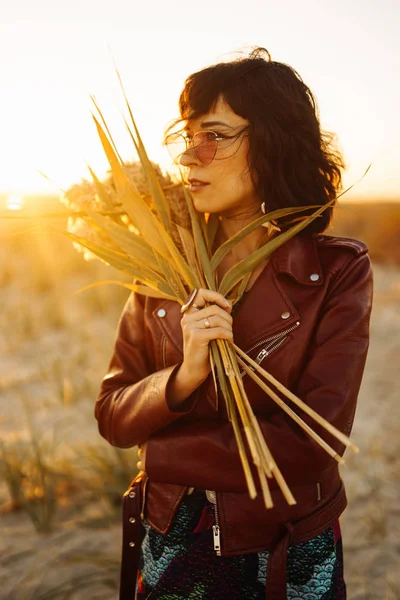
{"x":353,"y":246}
{"x":338,"y":255}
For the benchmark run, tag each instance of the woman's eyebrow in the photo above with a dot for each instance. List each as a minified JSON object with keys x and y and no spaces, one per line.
{"x":207,"y":124}
{"x":212,"y":123}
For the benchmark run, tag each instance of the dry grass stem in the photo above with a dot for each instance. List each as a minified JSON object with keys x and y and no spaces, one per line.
{"x":280,"y":479}
{"x":292,"y":414}
{"x":242,"y":453}
{"x":265,"y":489}
{"x":260,"y":453}
{"x":307,"y":409}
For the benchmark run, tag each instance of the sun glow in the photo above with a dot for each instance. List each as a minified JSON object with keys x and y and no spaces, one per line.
{"x":46,"y":124}
{"x":15,"y":202}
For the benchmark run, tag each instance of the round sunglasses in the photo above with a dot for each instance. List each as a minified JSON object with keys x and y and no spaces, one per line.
{"x":204,"y":144}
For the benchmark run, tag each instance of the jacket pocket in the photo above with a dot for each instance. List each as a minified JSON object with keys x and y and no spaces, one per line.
{"x":269,"y":345}
{"x":166,"y":353}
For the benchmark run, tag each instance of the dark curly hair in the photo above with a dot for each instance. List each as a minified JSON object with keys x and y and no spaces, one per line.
{"x":292,"y":161}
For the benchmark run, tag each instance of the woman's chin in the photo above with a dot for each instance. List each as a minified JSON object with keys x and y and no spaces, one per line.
{"x":202,"y":204}
{"x":206,"y":203}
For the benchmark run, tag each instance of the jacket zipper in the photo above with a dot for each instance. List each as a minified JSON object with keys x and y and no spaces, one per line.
{"x":216,"y":528}
{"x":273,"y":342}
{"x":164,"y":347}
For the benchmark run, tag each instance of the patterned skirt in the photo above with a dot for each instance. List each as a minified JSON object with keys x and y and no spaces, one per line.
{"x":183,"y":565}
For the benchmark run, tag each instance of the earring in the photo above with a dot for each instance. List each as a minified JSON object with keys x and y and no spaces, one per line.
{"x":271,"y":227}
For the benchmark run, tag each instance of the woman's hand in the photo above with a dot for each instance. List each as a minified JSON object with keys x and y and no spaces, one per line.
{"x":201,"y":324}
{"x":142,"y":455}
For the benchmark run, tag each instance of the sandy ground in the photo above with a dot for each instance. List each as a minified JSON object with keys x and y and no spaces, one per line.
{"x":45,"y":370}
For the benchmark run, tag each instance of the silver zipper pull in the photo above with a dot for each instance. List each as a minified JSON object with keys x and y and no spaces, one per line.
{"x":217,"y":540}
{"x":261,"y":355}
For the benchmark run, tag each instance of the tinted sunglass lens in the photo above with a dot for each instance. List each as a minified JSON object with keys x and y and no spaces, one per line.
{"x":205,"y":146}
{"x":176,"y":145}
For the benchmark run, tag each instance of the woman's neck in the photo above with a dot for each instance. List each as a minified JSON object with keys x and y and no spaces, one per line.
{"x":228,"y":227}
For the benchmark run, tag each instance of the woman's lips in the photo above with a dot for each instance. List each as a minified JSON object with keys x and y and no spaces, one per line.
{"x":196,"y":186}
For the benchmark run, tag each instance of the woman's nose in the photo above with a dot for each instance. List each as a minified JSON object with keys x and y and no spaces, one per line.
{"x":188,"y":158}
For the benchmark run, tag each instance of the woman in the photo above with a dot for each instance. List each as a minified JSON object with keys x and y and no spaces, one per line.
{"x":253,"y":144}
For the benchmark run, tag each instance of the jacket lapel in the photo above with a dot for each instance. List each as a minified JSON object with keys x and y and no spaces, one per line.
{"x":299,"y":259}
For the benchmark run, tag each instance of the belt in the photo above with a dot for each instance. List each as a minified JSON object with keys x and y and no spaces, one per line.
{"x":297,"y":532}
{"x":300,"y":531}
{"x":131,"y":539}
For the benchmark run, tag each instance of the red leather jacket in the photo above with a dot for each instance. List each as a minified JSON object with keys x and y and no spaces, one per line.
{"x":306,"y":320}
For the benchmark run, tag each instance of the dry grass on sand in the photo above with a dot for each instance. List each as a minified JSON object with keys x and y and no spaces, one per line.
{"x":61,"y":483}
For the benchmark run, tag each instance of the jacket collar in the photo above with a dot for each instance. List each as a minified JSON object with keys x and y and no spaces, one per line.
{"x":298,"y":257}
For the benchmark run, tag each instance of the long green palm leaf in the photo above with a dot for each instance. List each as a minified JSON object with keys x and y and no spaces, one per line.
{"x":231,"y":243}
{"x":235,"y":274}
{"x":190,"y":252}
{"x":123,"y":263}
{"x":156,"y":191}
{"x":212,"y":228}
{"x":137,"y":209}
{"x":178,"y":260}
{"x":140,"y":214}
{"x":173,"y":277}
{"x":242,"y":285}
{"x":200,"y":242}
{"x":101,"y":191}
{"x":135,"y":246}
{"x":139,"y":289}
{"x":93,"y":99}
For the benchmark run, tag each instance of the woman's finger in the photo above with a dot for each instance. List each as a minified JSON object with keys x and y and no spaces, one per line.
{"x":214,"y":311}
{"x":205,"y":296}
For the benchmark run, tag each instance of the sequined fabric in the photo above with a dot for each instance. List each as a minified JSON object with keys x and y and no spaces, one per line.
{"x":182,"y":565}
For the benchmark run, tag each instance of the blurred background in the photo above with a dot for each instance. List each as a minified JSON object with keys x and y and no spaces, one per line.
{"x":60,"y":482}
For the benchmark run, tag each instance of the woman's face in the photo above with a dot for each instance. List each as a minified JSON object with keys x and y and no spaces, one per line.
{"x":230,"y":191}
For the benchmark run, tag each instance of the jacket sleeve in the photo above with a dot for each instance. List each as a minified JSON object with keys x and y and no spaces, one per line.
{"x":329,"y":383}
{"x":133,"y":401}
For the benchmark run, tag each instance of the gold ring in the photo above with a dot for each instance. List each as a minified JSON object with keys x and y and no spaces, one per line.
{"x":207,"y":323}
{"x":190,"y":301}
{"x":195,"y":305}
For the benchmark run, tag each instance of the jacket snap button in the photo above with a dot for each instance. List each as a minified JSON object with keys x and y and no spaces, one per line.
{"x":132,"y":494}
{"x":132,"y":520}
{"x":161,"y":312}
{"x":132,"y":544}
{"x":285,"y":315}
{"x":314,"y":277}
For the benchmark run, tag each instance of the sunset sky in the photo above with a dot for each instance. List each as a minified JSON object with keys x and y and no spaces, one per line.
{"x":53,"y":55}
